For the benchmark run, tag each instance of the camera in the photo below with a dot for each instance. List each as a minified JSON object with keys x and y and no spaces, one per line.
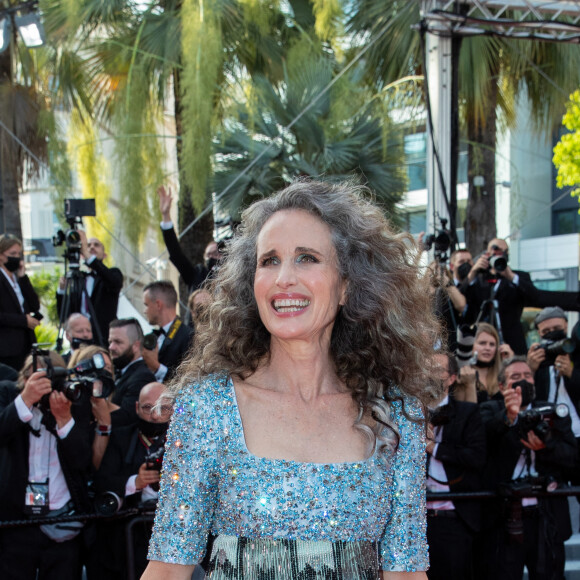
{"x":539,"y":420}
{"x":150,"y":341}
{"x":74,"y":211}
{"x":441,"y":240}
{"x":108,"y":503}
{"x":528,"y":486}
{"x":89,"y":375}
{"x":154,"y":458}
{"x":554,"y":348}
{"x":498,"y":262}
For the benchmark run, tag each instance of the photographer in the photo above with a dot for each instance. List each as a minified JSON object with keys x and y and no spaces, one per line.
{"x":130,"y":470}
{"x":193,"y":275}
{"x":78,"y":332}
{"x":18,"y":305}
{"x":497,"y":294}
{"x":557,"y":379}
{"x":45,"y":458}
{"x":460,"y":264}
{"x":455,"y":458}
{"x":173,"y":338}
{"x":103,"y":286}
{"x":526,"y":451}
{"x":126,"y":348}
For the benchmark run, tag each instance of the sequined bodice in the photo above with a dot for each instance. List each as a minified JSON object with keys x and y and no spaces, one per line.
{"x":211,"y":482}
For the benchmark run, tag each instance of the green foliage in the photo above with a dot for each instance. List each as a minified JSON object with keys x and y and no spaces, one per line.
{"x":328,"y":18}
{"x":202,"y":61}
{"x":46,"y":334}
{"x":45,"y":283}
{"x":567,"y":150}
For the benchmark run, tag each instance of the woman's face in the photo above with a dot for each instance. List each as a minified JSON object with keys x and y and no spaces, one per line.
{"x":297,"y":285}
{"x":485,"y":345}
{"x":14,"y":251}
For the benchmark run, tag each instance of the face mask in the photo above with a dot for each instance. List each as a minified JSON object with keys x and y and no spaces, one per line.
{"x":12,"y":263}
{"x":123,"y":360}
{"x":152,"y":429}
{"x":555,"y":335}
{"x":463,"y":271}
{"x":528,"y":391}
{"x":485,"y":364}
{"x":76,"y":343}
{"x":211,"y":263}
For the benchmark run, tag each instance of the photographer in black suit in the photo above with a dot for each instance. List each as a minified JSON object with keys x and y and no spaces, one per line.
{"x":45,"y":456}
{"x":497,"y":294}
{"x":524,"y":455}
{"x":125,"y":346}
{"x":194,"y":275}
{"x":130,"y":470}
{"x":18,"y":301}
{"x":173,"y":336}
{"x":103,"y":286}
{"x":455,"y":458}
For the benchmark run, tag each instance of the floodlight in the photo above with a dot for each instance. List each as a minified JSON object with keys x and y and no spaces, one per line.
{"x":30,"y":29}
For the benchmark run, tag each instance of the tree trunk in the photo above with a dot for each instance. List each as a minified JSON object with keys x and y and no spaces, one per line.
{"x":9,"y":206}
{"x":480,"y":225}
{"x":196,"y":239}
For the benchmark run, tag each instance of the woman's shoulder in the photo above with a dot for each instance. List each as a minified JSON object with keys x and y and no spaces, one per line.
{"x":206,"y":394}
{"x":404,"y":406}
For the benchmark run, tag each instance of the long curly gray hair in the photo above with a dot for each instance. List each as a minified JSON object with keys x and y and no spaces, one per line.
{"x":383,"y":336}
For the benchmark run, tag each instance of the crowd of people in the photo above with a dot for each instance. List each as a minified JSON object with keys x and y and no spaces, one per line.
{"x":291,"y":426}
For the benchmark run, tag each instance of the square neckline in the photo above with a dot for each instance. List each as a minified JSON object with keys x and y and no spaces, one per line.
{"x":243,"y":444}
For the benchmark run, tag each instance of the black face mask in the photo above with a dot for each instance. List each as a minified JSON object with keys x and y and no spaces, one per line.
{"x":463,"y":271}
{"x":123,"y":360}
{"x":152,"y":429}
{"x":555,"y":335}
{"x":211,"y":263}
{"x":76,"y":343}
{"x":485,"y":364}
{"x":12,"y":263}
{"x":528,"y":391}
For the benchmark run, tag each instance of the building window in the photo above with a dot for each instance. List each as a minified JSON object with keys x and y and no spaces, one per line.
{"x":566,"y":222}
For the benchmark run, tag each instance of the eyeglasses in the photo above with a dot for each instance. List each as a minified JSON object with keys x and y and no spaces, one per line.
{"x":160,"y":410}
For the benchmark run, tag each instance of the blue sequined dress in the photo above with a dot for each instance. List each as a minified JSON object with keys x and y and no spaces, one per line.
{"x":284,"y":520}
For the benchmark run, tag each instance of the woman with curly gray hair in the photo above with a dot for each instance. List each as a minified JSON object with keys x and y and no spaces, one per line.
{"x":298,"y":434}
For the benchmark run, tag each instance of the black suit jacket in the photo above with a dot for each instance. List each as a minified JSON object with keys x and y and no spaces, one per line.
{"x":572,"y":385}
{"x":462,"y":452}
{"x":512,"y":298}
{"x":504,"y":449}
{"x":124,"y":455}
{"x":74,"y":453}
{"x":127,"y":389}
{"x":173,"y":350}
{"x":193,"y":275}
{"x":15,"y":336}
{"x":104,"y":298}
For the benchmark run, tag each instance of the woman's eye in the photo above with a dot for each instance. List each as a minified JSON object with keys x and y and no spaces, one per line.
{"x":268,"y":261}
{"x":307,"y":258}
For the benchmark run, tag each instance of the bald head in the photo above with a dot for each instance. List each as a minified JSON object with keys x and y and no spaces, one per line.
{"x":154,"y":405}
{"x":78,"y":326}
{"x":96,"y":248}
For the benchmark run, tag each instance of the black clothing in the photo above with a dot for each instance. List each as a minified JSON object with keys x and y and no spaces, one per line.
{"x":511,"y":299}
{"x":174,"y":348}
{"x":125,"y":453}
{"x":193,"y":275}
{"x":16,"y":338}
{"x":462,"y":453}
{"x":104,"y":298}
{"x":501,"y":557}
{"x":24,"y":550}
{"x":127,"y":389}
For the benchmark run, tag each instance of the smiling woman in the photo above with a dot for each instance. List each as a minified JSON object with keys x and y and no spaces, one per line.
{"x":298,"y":435}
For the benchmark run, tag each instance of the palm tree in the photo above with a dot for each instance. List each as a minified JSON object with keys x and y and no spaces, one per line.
{"x":493,"y":73}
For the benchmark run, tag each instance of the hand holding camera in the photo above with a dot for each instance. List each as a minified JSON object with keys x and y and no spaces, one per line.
{"x":147,"y":476}
{"x":37,"y":385}
{"x":60,"y":408}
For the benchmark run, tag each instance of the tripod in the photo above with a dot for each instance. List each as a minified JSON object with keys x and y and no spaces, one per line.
{"x":76,"y":299}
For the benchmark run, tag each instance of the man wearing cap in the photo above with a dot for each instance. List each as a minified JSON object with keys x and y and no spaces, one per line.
{"x":556,"y":377}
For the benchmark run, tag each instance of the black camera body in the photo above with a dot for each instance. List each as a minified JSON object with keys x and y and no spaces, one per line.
{"x":528,"y":486}
{"x":554,"y":348}
{"x":150,"y":341}
{"x":74,"y":211}
{"x":154,"y":458}
{"x":441,"y":240}
{"x":89,"y":375}
{"x":539,"y":420}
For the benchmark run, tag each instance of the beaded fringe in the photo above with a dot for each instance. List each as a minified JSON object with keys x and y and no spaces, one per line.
{"x":236,"y":558}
